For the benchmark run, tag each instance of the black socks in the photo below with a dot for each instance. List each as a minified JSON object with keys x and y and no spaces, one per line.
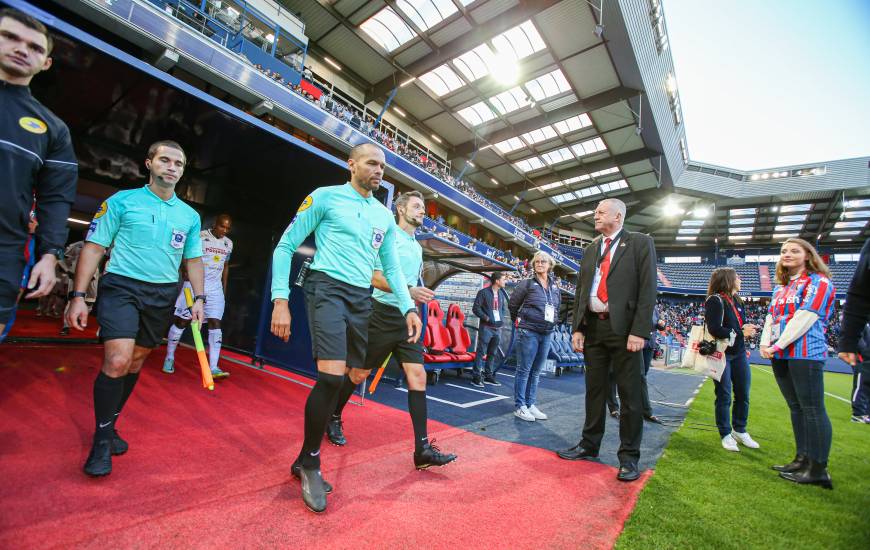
{"x":318,"y":408}
{"x":346,"y":391}
{"x":129,"y":383}
{"x":108,"y":393}
{"x":417,"y":408}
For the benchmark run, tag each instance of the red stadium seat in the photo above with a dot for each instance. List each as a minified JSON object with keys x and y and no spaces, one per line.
{"x":459,"y":337}
{"x":437,"y":339}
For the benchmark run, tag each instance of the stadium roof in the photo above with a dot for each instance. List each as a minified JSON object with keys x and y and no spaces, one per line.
{"x":535,"y":100}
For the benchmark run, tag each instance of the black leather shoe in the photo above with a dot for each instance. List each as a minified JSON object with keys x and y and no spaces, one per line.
{"x":99,"y":462}
{"x":335,"y":432}
{"x":628,"y":472}
{"x":798,"y":463}
{"x":432,"y":456}
{"x":652,"y":418}
{"x":577,"y":453}
{"x":295,"y":471}
{"x":313,"y":491}
{"x":119,"y":446}
{"x":814,"y":473}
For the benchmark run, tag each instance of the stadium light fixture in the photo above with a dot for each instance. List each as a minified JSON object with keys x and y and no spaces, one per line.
{"x":405,"y":83}
{"x":493,"y":180}
{"x":399,"y":112}
{"x":671,"y":84}
{"x":270,"y":38}
{"x":76,"y":220}
{"x":843,"y":240}
{"x":701,"y":212}
{"x":333,"y":63}
{"x":469,"y":163}
{"x":436,"y":138}
{"x":533,"y":210}
{"x":774,"y":209}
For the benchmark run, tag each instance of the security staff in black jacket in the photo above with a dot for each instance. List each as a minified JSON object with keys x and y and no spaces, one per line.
{"x":491,"y":307}
{"x":856,"y":312}
{"x":36,"y":162}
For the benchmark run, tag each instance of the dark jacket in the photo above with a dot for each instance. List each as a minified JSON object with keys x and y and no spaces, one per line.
{"x":528,"y":303}
{"x":483,"y":306}
{"x":652,"y":343}
{"x":36,"y":161}
{"x":631,"y":281}
{"x":864,"y":343}
{"x":721,"y":322}
{"x":856,"y":312}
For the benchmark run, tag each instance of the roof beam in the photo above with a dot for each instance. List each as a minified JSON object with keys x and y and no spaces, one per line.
{"x":593,"y":166}
{"x":485,"y":31}
{"x":592,"y":103}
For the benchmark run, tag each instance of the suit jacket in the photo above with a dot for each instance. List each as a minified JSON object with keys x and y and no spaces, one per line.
{"x":631,"y":284}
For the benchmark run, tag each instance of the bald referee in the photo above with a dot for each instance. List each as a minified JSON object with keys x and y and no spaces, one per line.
{"x":353,"y":231}
{"x":151,"y":230}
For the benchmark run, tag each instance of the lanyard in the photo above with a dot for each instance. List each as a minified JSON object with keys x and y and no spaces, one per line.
{"x":608,"y":247}
{"x":734,"y":309}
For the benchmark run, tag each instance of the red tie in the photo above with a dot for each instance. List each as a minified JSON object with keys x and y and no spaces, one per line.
{"x":605,"y":269}
{"x":495,"y":300}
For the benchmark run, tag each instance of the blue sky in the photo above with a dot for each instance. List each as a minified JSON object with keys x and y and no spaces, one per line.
{"x":766,"y":83}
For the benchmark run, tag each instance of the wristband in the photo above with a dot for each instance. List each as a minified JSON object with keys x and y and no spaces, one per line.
{"x":75,"y":294}
{"x":199,"y":297}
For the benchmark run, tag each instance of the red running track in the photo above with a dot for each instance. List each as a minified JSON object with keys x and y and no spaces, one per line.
{"x":210,"y":469}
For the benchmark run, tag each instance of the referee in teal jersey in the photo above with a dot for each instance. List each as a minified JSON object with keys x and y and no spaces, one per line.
{"x":151,"y":231}
{"x":353,"y":230}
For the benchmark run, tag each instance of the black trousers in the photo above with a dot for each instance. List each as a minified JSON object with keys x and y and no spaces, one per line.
{"x":605,"y":350}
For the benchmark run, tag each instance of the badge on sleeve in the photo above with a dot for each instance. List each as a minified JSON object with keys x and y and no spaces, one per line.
{"x":377,"y":238}
{"x":102,"y":211}
{"x":306,"y":204}
{"x":178,"y":238}
{"x":91,"y":229}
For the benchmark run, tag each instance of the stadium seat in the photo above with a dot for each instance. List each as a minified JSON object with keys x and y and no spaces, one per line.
{"x":437,"y":338}
{"x":459,"y":337}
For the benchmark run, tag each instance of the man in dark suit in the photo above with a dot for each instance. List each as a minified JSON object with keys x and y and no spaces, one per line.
{"x":616,"y":294}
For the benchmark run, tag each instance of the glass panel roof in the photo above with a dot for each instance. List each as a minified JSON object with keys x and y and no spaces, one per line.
{"x":858,"y":203}
{"x":792,"y":227}
{"x":742,"y":211}
{"x":845,"y":232}
{"x":590,"y":191}
{"x":613,"y":185}
{"x":550,"y":84}
{"x":541,"y":134}
{"x":574,"y":123}
{"x":510,"y":100}
{"x":509,"y":145}
{"x":777,"y":236}
{"x":388,"y":29}
{"x":557,"y":156}
{"x":442,"y":80}
{"x":475,"y":64}
{"x":427,"y":13}
{"x":549,"y":186}
{"x":742,"y":221}
{"x":796,"y":208}
{"x":685,"y":238}
{"x":477,"y":113}
{"x":857,"y":214}
{"x":740,"y":230}
{"x":519,"y":42}
{"x":792,"y":218}
{"x":589,"y":147}
{"x":692,"y":223}
{"x":689,"y":231}
{"x":564,"y":197}
{"x":841,"y":225}
{"x":528,"y":165}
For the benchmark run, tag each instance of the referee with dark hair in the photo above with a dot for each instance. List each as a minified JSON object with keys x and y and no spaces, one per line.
{"x":353,"y":231}
{"x":151,"y":230}
{"x":37,"y":161}
{"x":388,"y":335}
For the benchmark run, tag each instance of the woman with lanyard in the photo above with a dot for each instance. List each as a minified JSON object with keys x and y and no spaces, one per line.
{"x":724,"y":316}
{"x":533,"y":306}
{"x":794,"y":340}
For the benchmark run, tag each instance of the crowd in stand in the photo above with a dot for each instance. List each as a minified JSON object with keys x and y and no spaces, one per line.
{"x":679,"y":318}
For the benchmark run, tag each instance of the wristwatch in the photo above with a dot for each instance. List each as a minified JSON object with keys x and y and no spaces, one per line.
{"x":76,"y":294}
{"x":56,"y":252}
{"x":199,"y":297}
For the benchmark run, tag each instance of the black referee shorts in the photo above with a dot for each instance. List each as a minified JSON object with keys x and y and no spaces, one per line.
{"x":338,"y":318}
{"x":11,"y":268}
{"x":129,"y":308}
{"x":388,"y":333}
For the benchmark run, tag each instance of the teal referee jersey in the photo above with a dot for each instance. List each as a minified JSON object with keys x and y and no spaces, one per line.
{"x":410,"y":255}
{"x":352,"y":232}
{"x":151,"y":235}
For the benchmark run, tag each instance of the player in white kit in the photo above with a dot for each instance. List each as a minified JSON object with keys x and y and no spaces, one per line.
{"x":216,"y":250}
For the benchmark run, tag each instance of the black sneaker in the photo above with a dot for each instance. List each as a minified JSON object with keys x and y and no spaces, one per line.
{"x":335,"y":432}
{"x":64,"y":331}
{"x":119,"y":446}
{"x":296,"y":471}
{"x":432,"y":456}
{"x":99,"y":462}
{"x":491,"y":380}
{"x":313,"y":491}
{"x":476,"y":382}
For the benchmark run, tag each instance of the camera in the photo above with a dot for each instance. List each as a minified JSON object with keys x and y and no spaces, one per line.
{"x":707,"y":347}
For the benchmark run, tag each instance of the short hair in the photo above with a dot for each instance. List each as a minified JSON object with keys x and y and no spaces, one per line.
{"x":496,"y":276}
{"x":152,"y":149}
{"x":357,"y":150}
{"x":541,"y":255}
{"x":403,"y":198}
{"x":30,"y":22}
{"x":220,"y":217}
{"x":617,"y":205}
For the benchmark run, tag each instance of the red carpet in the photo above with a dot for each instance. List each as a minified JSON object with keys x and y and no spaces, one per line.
{"x":210,"y":469}
{"x":27,"y":324}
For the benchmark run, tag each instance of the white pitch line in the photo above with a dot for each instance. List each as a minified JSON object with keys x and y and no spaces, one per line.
{"x":469,"y":389}
{"x":462,"y":405}
{"x":843,"y":399}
